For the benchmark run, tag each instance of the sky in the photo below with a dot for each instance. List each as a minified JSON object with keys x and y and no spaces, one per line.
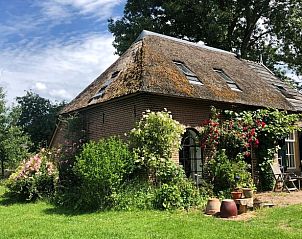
{"x":54,"y":47}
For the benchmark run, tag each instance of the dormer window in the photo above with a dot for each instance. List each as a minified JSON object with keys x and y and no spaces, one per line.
{"x":102,"y":90}
{"x":193,"y":79}
{"x":227,"y":79}
{"x":284,"y":91}
{"x":115,"y":74}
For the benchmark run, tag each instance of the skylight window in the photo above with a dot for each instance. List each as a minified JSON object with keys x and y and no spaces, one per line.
{"x":227,"y":79}
{"x":193,"y":79}
{"x":284,"y":91}
{"x":102,"y":90}
{"x":114,"y":74}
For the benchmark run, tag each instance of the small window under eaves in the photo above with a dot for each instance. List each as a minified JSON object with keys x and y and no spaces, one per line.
{"x":284,"y":91}
{"x":227,"y":79}
{"x":193,"y":79}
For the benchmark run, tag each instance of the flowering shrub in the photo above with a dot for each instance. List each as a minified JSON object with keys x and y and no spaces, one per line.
{"x":238,"y":133}
{"x":34,"y":178}
{"x":153,"y":140}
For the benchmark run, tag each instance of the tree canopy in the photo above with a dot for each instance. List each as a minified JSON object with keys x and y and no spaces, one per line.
{"x":14,"y":143}
{"x":271,"y":28}
{"x":37,"y":118}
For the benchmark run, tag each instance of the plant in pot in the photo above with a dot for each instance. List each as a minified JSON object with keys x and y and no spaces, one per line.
{"x":237,"y":192}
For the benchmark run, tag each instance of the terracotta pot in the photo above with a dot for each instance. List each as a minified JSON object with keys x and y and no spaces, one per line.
{"x":248,"y":192}
{"x":213,"y":206}
{"x":236,"y":195}
{"x":228,"y":208}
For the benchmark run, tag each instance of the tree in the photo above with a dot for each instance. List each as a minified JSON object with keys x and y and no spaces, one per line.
{"x":37,"y":118}
{"x":271,"y":28}
{"x":14,"y":143}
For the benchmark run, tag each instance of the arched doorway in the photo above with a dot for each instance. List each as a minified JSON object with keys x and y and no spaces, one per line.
{"x":190,"y":155}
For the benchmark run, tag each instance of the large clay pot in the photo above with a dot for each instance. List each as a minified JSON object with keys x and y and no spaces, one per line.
{"x":228,"y":208}
{"x":213,"y":206}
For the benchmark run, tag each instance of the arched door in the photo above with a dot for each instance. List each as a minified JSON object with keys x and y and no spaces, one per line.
{"x":190,"y":155}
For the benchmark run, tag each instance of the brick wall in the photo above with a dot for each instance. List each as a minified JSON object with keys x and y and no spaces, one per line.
{"x":118,"y":117}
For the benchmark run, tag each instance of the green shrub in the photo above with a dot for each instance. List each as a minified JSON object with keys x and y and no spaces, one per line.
{"x":168,"y":197}
{"x":228,"y":174}
{"x":67,"y":186}
{"x":153,"y":140}
{"x":183,"y":194}
{"x":133,"y":195}
{"x":101,"y":168}
{"x":33,"y":179}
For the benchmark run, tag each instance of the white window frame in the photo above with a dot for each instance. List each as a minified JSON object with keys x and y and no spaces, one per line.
{"x":290,"y":156}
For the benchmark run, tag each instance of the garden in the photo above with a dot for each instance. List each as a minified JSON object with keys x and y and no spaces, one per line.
{"x":135,"y":183}
{"x":138,"y":173}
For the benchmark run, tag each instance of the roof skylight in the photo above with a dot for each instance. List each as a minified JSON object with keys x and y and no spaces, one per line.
{"x":284,"y":91}
{"x":101,"y":91}
{"x":227,"y":79}
{"x":193,"y":79}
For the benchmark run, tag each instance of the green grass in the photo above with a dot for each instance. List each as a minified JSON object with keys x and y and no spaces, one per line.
{"x":42,"y":220}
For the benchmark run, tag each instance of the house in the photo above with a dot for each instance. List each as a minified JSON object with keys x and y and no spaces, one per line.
{"x":159,"y":72}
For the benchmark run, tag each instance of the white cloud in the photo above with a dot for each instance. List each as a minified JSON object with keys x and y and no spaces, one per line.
{"x":58,"y":72}
{"x":40,"y":86}
{"x":102,"y":9}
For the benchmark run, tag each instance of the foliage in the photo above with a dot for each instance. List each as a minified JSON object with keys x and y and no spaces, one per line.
{"x":133,"y":194}
{"x":67,"y":184}
{"x":14,"y":143}
{"x":182,"y":194}
{"x":75,"y":133}
{"x":37,"y":118}
{"x":109,"y":175}
{"x":260,"y":130}
{"x":253,"y":27}
{"x":101,"y":168}
{"x":227,"y":174}
{"x":154,"y":140}
{"x":33,"y":179}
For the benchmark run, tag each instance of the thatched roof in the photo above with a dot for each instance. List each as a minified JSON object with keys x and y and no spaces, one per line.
{"x":148,"y":66}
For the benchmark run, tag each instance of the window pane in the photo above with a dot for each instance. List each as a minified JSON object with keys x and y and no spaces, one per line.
{"x":233,"y":86}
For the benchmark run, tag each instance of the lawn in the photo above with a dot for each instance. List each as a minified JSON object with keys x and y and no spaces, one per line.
{"x":42,"y":220}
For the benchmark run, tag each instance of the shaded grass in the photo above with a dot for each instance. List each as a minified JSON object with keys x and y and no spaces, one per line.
{"x":42,"y":220}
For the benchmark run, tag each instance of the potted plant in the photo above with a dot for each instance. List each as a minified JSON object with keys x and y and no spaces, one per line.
{"x":248,"y":189}
{"x":237,"y":192}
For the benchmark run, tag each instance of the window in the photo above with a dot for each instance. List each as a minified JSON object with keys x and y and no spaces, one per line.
{"x":290,"y":150}
{"x":115,"y":74}
{"x":193,"y":79}
{"x":227,"y":79}
{"x":284,"y":91}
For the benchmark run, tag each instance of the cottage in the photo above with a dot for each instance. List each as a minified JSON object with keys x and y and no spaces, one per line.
{"x":159,"y":72}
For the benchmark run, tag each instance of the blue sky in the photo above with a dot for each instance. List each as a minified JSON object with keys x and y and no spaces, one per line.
{"x":54,"y":47}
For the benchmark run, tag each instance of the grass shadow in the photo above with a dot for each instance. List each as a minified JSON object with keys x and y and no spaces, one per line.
{"x":8,"y":200}
{"x":66,"y":211}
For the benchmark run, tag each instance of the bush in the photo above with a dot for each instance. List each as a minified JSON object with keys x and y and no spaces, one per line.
{"x":33,"y":179}
{"x":67,"y":185}
{"x":228,"y":174}
{"x":184,"y":195}
{"x":133,"y":195}
{"x":101,"y":168}
{"x":153,"y":140}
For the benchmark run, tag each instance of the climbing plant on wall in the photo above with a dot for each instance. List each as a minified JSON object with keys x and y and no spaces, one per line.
{"x":240,"y":132}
